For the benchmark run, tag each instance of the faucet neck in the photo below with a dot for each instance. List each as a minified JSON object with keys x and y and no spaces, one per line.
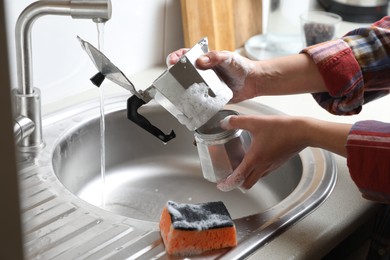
{"x":97,"y":10}
{"x":27,"y":98}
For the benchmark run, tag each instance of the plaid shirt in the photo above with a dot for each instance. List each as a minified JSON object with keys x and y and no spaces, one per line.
{"x":356,"y":70}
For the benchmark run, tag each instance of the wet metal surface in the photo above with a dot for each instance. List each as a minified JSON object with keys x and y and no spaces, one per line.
{"x":63,"y":215}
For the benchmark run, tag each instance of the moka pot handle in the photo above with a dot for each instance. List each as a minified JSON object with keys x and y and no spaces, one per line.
{"x":133,"y":104}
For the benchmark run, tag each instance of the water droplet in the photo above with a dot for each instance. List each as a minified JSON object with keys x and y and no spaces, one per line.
{"x":156,"y":190}
{"x":189,"y":199}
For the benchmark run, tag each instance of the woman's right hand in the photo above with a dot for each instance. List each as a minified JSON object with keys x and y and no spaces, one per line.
{"x":276,"y":139}
{"x":236,"y":71}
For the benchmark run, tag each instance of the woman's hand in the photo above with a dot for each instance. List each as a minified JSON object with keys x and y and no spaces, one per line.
{"x":235,"y":70}
{"x":174,"y":57}
{"x":286,"y":75}
{"x":275,"y":140}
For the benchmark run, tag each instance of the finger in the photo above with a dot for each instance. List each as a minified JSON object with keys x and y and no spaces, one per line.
{"x":212,"y":59}
{"x":248,"y":182}
{"x":235,"y":180}
{"x":231,"y":182}
{"x":174,"y":57}
{"x":237,"y":122}
{"x":239,"y":175}
{"x":252,"y":179}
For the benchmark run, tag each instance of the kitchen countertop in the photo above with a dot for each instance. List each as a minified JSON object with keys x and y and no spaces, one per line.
{"x":328,"y":225}
{"x":320,"y":231}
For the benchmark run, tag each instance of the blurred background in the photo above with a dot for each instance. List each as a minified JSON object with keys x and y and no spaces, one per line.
{"x":138,"y":36}
{"x":142,"y":33}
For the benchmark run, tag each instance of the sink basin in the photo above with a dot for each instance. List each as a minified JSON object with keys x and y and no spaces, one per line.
{"x":142,"y":173}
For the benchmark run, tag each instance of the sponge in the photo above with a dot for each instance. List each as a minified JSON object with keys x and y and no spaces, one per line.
{"x":191,"y":229}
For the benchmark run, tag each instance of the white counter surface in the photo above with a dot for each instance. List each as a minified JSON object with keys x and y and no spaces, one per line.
{"x":332,"y":221}
{"x":328,"y":225}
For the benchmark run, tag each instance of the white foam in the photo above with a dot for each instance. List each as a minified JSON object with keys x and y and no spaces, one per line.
{"x":196,"y":104}
{"x":208,"y":221}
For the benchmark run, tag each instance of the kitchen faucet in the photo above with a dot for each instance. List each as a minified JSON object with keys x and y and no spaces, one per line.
{"x":27,"y":100}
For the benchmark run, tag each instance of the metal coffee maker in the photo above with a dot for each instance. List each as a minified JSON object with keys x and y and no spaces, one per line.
{"x":191,"y":95}
{"x":220,"y":151}
{"x":195,"y":98}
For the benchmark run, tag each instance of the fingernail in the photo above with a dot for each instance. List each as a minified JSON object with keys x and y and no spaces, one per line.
{"x":230,"y":183}
{"x":225,"y":188}
{"x":168,"y":61}
{"x":224,"y":123}
{"x":243,"y":190}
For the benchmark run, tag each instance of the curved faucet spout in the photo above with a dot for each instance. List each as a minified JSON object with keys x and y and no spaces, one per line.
{"x":27,"y":97}
{"x":97,"y":10}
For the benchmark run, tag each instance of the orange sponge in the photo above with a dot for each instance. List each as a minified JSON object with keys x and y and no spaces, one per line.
{"x":190,"y":229}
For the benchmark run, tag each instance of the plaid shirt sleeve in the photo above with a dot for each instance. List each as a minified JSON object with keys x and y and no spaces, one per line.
{"x":368,"y":159}
{"x":356,"y":70}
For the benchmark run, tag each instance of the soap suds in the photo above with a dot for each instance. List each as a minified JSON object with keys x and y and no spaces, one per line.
{"x":197,"y":105}
{"x":199,"y":216}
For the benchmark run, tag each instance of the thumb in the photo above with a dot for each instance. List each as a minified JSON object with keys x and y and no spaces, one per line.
{"x":214,"y":58}
{"x":237,"y":178}
{"x":237,"y":122}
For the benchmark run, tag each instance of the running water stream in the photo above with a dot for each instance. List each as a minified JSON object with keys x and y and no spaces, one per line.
{"x":100,"y":29}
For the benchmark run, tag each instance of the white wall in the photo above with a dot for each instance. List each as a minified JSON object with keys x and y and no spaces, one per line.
{"x":139,"y":36}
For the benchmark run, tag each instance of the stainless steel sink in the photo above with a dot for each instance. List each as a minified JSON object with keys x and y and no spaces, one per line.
{"x":141,"y":174}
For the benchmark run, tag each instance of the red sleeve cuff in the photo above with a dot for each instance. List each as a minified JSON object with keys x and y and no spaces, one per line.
{"x":338,"y":66}
{"x":368,"y":159}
